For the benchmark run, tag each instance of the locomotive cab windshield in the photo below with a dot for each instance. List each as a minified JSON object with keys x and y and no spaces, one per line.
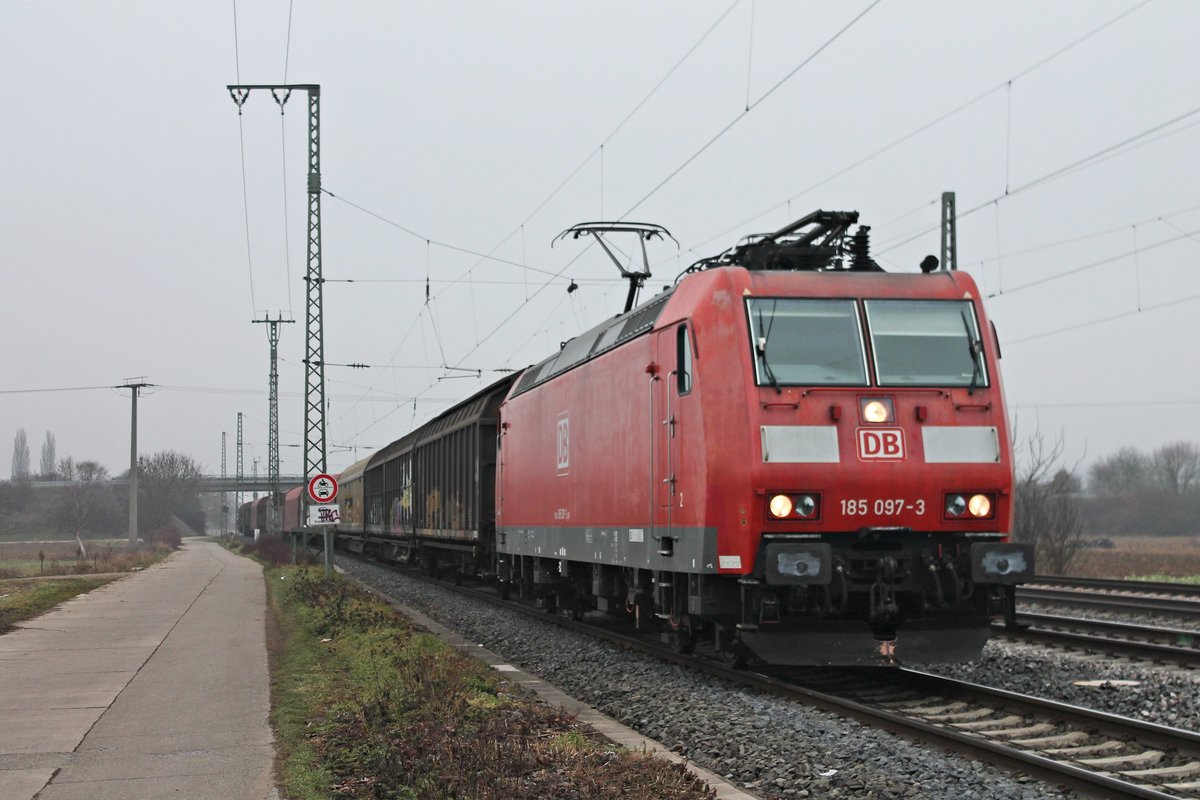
{"x":819,"y":342}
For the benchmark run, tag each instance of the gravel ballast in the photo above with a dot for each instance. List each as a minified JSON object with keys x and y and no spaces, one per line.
{"x":772,"y":747}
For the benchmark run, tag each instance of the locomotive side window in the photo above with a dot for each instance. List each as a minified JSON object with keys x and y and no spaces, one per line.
{"x":926,"y":343}
{"x":807,"y":342}
{"x":684,"y":361}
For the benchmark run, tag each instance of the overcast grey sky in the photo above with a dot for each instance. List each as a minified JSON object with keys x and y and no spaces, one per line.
{"x":123,"y":231}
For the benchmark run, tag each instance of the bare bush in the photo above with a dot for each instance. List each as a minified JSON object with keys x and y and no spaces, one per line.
{"x":1046,"y":505}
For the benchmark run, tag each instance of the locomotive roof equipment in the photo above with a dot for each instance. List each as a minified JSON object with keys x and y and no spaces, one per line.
{"x":644,"y":232}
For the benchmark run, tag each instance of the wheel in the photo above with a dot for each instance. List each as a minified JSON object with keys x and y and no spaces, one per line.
{"x":681,"y":641}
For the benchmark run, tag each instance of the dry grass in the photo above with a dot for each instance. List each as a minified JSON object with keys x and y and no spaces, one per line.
{"x":30,"y":559}
{"x":1164,"y":557}
{"x":21,"y":600}
{"x":367,"y":707}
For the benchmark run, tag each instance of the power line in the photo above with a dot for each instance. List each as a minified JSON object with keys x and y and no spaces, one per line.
{"x":750,"y":108}
{"x":430,"y":241}
{"x":287,"y":50}
{"x":1093,"y":235}
{"x":924,"y":127}
{"x":57,"y":389}
{"x":1113,"y":404}
{"x":1081,"y":163}
{"x":473,"y":282}
{"x":242,"y":150}
{"x":521,"y":227}
{"x":1094,"y":264}
{"x":1101,"y":321}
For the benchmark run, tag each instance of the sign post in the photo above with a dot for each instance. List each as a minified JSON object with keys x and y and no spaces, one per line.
{"x":322,"y":490}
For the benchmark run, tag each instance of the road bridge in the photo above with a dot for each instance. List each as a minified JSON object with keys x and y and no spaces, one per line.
{"x":206,"y":484}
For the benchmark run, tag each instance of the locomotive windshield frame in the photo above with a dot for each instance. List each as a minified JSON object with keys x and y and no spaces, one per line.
{"x":807,"y":341}
{"x":820,"y":342}
{"x":925,"y":343}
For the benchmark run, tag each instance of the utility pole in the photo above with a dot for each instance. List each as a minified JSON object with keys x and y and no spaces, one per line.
{"x":314,"y":351}
{"x":224,"y":494}
{"x":314,"y":348}
{"x":273,"y":416}
{"x":240,"y":472}
{"x":949,"y":232}
{"x":135,"y":385}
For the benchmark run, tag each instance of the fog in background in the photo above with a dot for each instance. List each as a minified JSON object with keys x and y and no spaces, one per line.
{"x":135,"y":243}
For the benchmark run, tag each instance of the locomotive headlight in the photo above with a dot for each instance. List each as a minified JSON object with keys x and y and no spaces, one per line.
{"x":980,"y":505}
{"x":781,"y":506}
{"x":877,"y":410}
{"x":972,"y":506}
{"x":806,"y":506}
{"x":956,"y":504}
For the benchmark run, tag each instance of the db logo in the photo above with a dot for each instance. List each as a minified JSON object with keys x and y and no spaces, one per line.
{"x":881,"y":444}
{"x":564,"y":445}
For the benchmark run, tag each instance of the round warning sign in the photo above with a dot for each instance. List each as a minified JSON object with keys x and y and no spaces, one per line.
{"x":322,"y":488}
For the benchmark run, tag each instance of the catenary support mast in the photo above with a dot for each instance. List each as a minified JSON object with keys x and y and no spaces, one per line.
{"x":949,"y":232}
{"x":241,"y":474}
{"x":273,"y":419}
{"x":314,"y":350}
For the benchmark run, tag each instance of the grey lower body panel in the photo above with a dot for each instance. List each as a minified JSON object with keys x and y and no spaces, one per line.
{"x":692,"y":549}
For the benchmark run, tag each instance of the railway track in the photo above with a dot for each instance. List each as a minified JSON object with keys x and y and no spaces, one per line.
{"x":1129,"y":597}
{"x":1162,"y":645}
{"x":1096,"y":753}
{"x":1114,"y":585}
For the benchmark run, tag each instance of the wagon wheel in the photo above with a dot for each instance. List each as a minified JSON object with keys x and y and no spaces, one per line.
{"x":682,"y":641}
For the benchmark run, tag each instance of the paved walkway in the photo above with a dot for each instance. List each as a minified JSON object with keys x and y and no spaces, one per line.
{"x":153,"y":686}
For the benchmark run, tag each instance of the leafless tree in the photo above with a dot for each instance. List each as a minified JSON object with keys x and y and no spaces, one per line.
{"x":80,"y":506}
{"x":20,"y":459}
{"x":168,"y":484}
{"x":1046,"y":506}
{"x":1175,"y":468}
{"x":1126,"y":472}
{"x":48,"y":463}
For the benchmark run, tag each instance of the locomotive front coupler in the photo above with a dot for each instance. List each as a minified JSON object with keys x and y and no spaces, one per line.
{"x":884,"y":607}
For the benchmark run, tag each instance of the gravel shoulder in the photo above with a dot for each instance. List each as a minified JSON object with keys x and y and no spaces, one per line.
{"x":772,"y":747}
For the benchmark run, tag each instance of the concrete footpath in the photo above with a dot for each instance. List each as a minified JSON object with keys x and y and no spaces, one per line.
{"x":153,"y":686}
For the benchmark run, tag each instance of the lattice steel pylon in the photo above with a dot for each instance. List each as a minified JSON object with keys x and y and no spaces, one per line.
{"x":314,"y":349}
{"x":241,"y":475}
{"x":273,"y":418}
{"x":224,"y":495}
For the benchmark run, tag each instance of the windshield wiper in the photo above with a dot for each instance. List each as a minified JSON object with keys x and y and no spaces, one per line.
{"x":762,"y":351}
{"x":974,"y":348}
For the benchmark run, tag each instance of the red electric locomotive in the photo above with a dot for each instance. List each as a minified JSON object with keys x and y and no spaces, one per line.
{"x":790,"y":455}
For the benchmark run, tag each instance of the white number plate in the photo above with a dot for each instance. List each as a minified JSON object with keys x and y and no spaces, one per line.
{"x":882,"y":507}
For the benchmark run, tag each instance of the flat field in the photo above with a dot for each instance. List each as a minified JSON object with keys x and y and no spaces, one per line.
{"x":31,"y":559}
{"x":1146,"y":557}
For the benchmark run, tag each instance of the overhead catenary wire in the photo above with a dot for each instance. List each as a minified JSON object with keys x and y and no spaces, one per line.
{"x":1092,"y":235}
{"x":749,"y":108}
{"x":431,"y":242}
{"x":1053,"y":174}
{"x":894,"y":143}
{"x":1092,"y":323}
{"x":521,"y":227}
{"x":57,"y":389}
{"x":287,"y":237}
{"x":287,"y":49}
{"x":242,"y":150}
{"x":1092,"y":265}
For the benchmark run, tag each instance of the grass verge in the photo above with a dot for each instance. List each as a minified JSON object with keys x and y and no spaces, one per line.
{"x":28,"y":560}
{"x":24,"y":599}
{"x":367,"y":706}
